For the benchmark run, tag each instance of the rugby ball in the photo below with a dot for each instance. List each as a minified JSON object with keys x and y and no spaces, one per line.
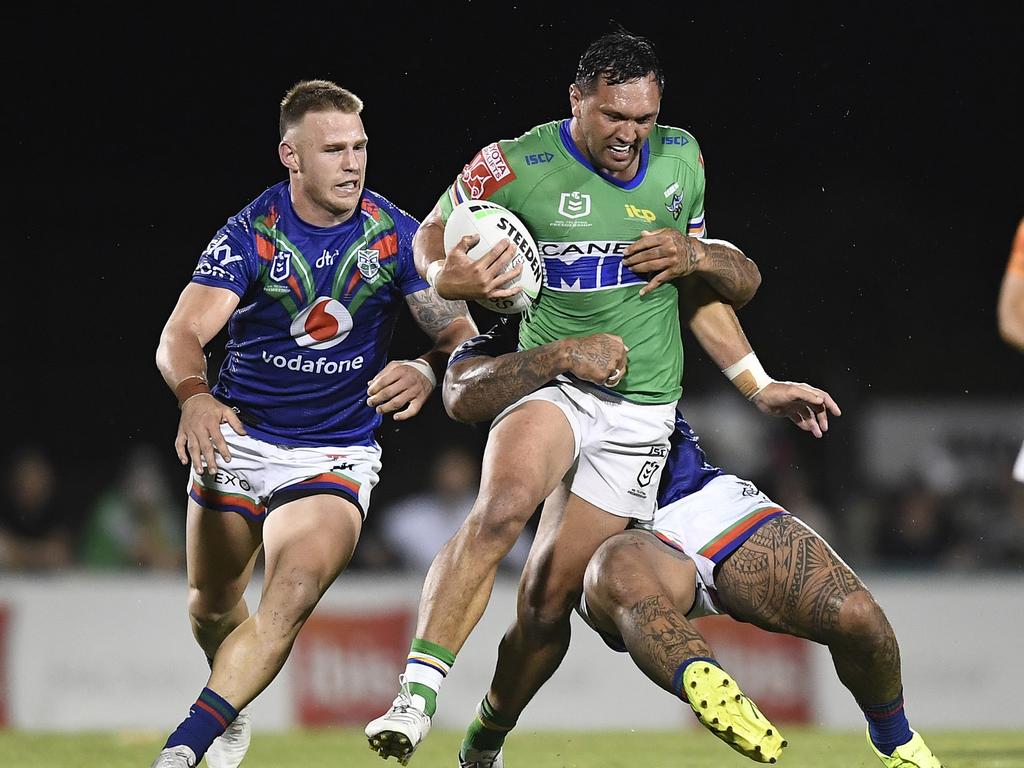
{"x":493,"y":222}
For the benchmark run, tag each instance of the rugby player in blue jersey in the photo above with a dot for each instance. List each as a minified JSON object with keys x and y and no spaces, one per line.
{"x":716,"y":545}
{"x":309,"y":279}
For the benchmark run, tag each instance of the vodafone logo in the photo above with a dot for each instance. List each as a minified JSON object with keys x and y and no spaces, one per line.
{"x":322,"y":325}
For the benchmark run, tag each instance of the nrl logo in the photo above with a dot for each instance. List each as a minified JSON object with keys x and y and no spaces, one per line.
{"x":368,"y":261}
{"x":281,"y":268}
{"x":574,"y":205}
{"x":646,"y":473}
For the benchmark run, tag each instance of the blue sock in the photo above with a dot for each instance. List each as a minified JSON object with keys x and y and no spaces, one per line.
{"x":207,"y":719}
{"x":887,"y":725}
{"x":677,"y":678}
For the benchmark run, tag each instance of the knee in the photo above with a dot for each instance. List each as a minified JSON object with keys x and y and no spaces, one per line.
{"x":498,"y":518}
{"x":209,"y":608}
{"x":609,"y":581}
{"x":546,"y":602}
{"x":863,"y":623}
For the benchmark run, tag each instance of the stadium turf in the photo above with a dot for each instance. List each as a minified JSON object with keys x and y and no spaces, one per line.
{"x":332,"y":748}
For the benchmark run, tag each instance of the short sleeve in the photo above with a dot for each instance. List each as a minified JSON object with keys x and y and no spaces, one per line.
{"x":229,"y":261}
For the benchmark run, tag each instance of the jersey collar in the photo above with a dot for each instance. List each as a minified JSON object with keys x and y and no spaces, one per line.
{"x":313,"y":229}
{"x":572,"y":149}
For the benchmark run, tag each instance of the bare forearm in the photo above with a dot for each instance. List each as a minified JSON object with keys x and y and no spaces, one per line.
{"x":724,"y":267}
{"x":477,"y":391}
{"x":456,"y":332}
{"x":1012,"y":331}
{"x":447,"y":323}
{"x":179,"y":355}
{"x":713,"y":323}
{"x":428,"y":243}
{"x":1011,"y":310}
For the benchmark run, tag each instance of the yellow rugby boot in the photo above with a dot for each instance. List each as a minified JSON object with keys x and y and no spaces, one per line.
{"x":724,"y":710}
{"x":913,"y":754}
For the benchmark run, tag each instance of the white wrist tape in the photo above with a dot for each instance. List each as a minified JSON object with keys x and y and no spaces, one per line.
{"x":432,"y":269}
{"x":748,"y":375}
{"x":423,"y":367}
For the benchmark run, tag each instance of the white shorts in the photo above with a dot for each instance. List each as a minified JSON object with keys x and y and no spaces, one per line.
{"x":710,"y":525}
{"x":620,"y":446}
{"x":707,"y":526}
{"x":262,"y":476}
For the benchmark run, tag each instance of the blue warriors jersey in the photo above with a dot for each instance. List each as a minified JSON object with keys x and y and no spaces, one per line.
{"x":316,"y":313}
{"x":687,"y":468}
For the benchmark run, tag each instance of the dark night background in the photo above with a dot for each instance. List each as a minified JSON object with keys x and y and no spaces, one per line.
{"x":866,"y":156}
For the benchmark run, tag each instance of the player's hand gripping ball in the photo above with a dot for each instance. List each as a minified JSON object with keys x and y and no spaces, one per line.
{"x":492,"y":223}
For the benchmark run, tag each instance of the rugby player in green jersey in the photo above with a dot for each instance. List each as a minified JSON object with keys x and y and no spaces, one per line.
{"x":611,"y":198}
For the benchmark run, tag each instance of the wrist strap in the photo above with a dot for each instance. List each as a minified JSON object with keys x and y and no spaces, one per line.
{"x":748,"y":375}
{"x":423,"y":367}
{"x":432,"y":269}
{"x":189,"y":387}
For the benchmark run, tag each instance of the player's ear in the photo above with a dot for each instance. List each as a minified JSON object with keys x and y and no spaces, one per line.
{"x":289,"y":158}
{"x":575,"y":98}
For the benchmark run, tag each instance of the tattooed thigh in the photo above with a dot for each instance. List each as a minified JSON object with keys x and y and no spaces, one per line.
{"x":786,"y":578}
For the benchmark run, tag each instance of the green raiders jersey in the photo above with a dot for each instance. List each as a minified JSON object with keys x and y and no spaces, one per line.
{"x":583,"y":221}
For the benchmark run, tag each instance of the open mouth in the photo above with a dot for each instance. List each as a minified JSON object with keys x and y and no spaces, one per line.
{"x":621,"y":152}
{"x":348,"y":186}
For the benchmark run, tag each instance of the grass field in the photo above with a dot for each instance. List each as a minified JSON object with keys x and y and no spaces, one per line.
{"x":336,"y":748}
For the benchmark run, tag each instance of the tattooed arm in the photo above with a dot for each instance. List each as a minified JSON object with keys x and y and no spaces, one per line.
{"x":478,"y":388}
{"x":447,"y":323}
{"x":404,"y":385}
{"x":671,"y":254}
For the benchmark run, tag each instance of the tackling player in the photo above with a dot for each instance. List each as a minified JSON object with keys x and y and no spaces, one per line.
{"x":309,"y":279}
{"x":716,"y":545}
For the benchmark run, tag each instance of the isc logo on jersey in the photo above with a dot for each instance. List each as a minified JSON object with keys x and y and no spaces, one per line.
{"x":323,"y":324}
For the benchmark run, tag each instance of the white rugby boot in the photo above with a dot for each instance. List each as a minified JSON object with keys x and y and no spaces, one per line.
{"x":481,"y":758}
{"x":230,"y":747}
{"x":400,"y":730}
{"x":175,"y":757}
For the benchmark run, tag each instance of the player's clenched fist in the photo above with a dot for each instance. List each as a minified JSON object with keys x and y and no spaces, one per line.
{"x":600,"y":358}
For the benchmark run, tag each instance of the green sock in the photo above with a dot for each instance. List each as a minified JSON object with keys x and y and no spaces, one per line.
{"x":425,"y":670}
{"x":488,"y":729}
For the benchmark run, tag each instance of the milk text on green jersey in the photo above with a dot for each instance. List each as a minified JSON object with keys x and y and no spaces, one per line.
{"x":583,"y":222}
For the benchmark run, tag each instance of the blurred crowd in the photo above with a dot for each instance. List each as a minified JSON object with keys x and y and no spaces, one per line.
{"x":131,"y":516}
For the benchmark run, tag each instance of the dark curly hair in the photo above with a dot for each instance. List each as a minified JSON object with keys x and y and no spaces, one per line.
{"x":619,"y":57}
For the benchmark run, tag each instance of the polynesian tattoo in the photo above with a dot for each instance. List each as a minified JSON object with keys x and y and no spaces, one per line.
{"x":786,"y":578}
